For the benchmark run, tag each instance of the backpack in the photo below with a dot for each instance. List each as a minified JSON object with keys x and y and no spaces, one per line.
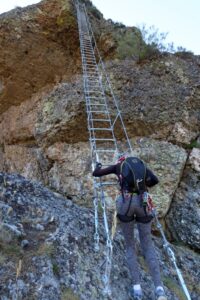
{"x":132,"y":175}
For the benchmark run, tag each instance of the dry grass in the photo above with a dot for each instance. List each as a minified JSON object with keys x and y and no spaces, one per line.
{"x":68,"y":294}
{"x":174,"y":287}
{"x":46,"y":249}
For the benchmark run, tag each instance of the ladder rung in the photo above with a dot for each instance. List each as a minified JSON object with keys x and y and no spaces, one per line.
{"x":103,"y":140}
{"x":87,"y":44}
{"x":92,"y":79}
{"x":93,"y":82}
{"x":89,"y":80}
{"x":105,"y":183}
{"x":97,"y":92}
{"x":100,"y":120}
{"x":90,"y":56}
{"x":103,"y":129}
{"x":96,"y":86}
{"x":91,"y":67}
{"x":98,"y":98}
{"x":98,"y":111}
{"x":87,"y":50}
{"x":90,"y":63}
{"x":85,"y":35}
{"x":91,"y":72}
{"x":105,"y":150}
{"x":93,"y":104}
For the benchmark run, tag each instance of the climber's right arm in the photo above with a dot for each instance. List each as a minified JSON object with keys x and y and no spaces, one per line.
{"x":98,"y":172}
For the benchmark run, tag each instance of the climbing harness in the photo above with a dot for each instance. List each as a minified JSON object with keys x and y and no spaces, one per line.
{"x":103,"y":118}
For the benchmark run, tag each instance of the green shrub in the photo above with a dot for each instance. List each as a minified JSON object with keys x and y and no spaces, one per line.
{"x":193,"y":144}
{"x":129,"y":43}
{"x":56,"y":269}
{"x":96,"y":13}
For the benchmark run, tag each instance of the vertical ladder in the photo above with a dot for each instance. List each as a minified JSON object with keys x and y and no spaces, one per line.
{"x":100,"y":119}
{"x":103,"y":116}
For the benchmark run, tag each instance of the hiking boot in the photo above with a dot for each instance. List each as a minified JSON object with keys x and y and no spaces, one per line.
{"x":135,"y":294}
{"x":160,"y":294}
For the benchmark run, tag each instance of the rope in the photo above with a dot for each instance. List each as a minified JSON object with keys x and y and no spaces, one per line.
{"x":172,"y":257}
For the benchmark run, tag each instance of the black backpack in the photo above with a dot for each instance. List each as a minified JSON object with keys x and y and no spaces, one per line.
{"x":133,"y":173}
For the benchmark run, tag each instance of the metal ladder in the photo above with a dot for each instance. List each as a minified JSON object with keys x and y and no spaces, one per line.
{"x":103,"y":116}
{"x":101,"y":121}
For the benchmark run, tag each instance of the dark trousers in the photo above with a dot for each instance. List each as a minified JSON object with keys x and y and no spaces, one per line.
{"x":146,"y":242}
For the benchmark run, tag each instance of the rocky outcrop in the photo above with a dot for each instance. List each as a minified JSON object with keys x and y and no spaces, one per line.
{"x":160,"y":97}
{"x":184,"y":216}
{"x":50,"y":253}
{"x":39,"y":47}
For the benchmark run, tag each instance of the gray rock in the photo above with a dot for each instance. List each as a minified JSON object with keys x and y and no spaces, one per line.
{"x":39,"y":227}
{"x":24,"y":243}
{"x":9,"y":232}
{"x":184,"y":216}
{"x":63,"y":258}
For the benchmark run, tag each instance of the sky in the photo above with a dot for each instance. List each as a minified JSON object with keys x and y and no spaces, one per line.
{"x":179,"y":18}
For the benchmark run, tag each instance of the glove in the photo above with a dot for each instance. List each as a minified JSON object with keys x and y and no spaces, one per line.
{"x":98,"y":165}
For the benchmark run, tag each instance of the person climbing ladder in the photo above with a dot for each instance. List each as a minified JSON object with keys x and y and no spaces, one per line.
{"x":133,"y":208}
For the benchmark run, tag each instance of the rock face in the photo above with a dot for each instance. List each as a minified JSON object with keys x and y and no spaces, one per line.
{"x":44,"y":137}
{"x":184,"y":215}
{"x":36,"y":40}
{"x":168,"y":162}
{"x":160,"y":97}
{"x":59,"y":261}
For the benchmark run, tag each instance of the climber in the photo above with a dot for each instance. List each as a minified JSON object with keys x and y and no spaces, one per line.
{"x":130,"y":210}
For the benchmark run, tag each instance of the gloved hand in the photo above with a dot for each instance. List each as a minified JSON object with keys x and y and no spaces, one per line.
{"x":98,"y":165}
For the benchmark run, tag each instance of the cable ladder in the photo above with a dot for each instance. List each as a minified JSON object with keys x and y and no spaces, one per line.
{"x":102,"y":116}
